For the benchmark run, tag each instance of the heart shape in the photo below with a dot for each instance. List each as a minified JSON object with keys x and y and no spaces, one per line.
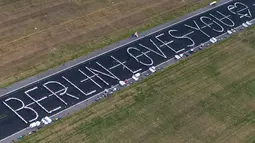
{"x":240,"y":9}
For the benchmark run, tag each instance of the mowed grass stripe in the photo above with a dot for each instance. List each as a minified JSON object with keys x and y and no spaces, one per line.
{"x":199,"y":63}
{"x":184,"y":103}
{"x":170,"y":121}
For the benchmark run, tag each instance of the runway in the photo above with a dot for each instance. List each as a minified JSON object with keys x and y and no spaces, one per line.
{"x":69,"y":87}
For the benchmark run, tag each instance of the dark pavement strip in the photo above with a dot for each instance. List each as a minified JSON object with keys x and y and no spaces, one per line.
{"x":67,"y":88}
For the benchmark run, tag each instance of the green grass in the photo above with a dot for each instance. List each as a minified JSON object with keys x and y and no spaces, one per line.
{"x":207,"y":98}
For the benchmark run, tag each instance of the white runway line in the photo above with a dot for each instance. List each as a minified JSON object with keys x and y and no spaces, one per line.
{"x":90,"y":78}
{"x":86,"y":94}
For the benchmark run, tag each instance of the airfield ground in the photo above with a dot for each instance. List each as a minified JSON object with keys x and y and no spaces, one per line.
{"x":38,"y":35}
{"x":207,"y":98}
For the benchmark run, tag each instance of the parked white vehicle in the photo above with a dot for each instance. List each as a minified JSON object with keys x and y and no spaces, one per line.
{"x":233,"y":30}
{"x":213,"y":40}
{"x":122,"y":83}
{"x":35,"y":124}
{"x":177,"y":57}
{"x":152,"y":69}
{"x":38,"y":123}
{"x":136,"y":76}
{"x":229,"y":32}
{"x":48,"y":119}
{"x":106,"y":91}
{"x":44,"y":121}
{"x":113,"y":88}
{"x":248,"y":23}
{"x":245,"y":25}
{"x":32,"y":125}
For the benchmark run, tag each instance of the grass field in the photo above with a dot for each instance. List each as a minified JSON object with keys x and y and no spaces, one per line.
{"x":207,"y":98}
{"x":36,"y":35}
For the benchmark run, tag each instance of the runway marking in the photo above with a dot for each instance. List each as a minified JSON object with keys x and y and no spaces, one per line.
{"x":86,"y":94}
{"x":38,"y":101}
{"x":50,"y":82}
{"x":48,"y":96}
{"x":113,"y":76}
{"x":196,"y":27}
{"x":97,"y":76}
{"x":117,"y":65}
{"x":22,"y":107}
{"x":143,"y":54}
{"x":185,"y":36}
{"x":124,"y":66}
{"x":244,"y":8}
{"x":213,"y":22}
{"x":160,"y":53}
{"x":68,"y":94}
{"x":203,"y":27}
{"x":2,"y":116}
{"x":164,"y":43}
{"x":224,"y":17}
{"x":89,"y":78}
{"x":206,"y":24}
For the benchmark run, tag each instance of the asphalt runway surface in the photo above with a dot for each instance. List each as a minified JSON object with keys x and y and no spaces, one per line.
{"x":62,"y":90}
